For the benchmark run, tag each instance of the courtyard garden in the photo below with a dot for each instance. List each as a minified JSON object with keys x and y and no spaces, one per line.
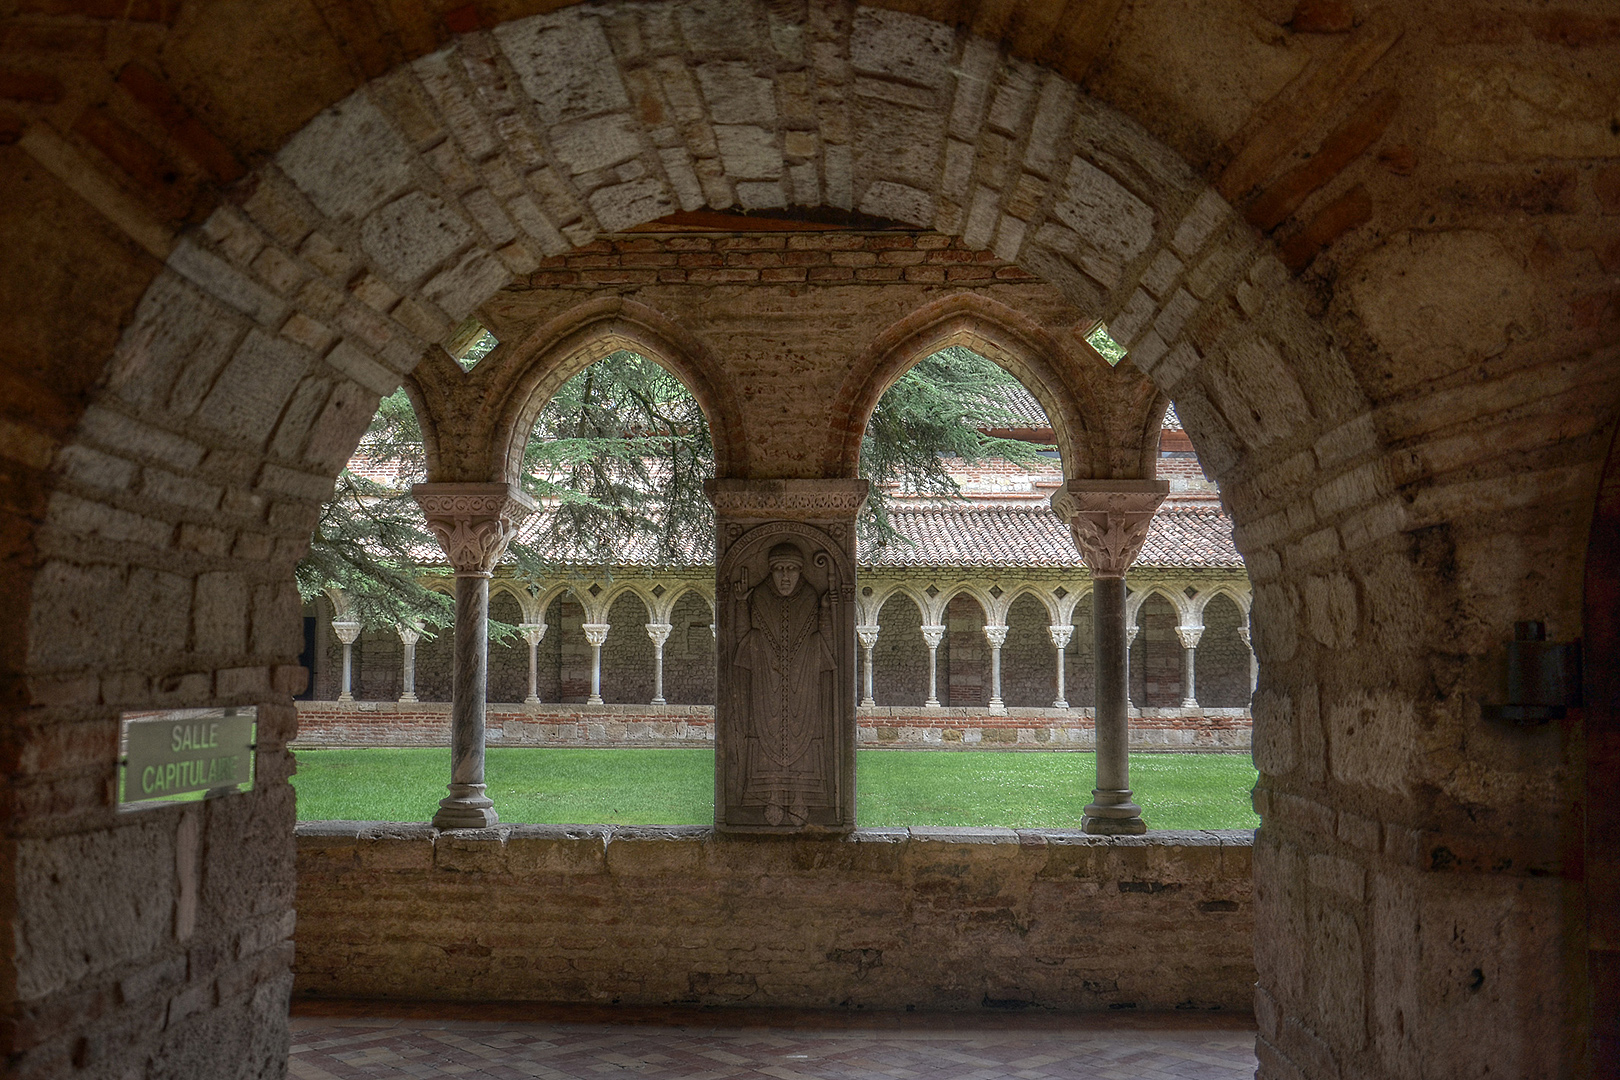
{"x":646,"y":786}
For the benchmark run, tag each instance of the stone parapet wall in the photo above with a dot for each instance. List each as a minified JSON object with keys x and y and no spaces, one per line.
{"x":387,"y":723}
{"x":885,"y":918}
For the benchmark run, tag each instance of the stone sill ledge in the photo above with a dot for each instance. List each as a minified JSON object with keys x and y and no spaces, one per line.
{"x":865,"y":712}
{"x":345,"y":831}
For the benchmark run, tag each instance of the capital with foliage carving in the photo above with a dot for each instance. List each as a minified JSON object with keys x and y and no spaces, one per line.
{"x":473,"y":522}
{"x":1109,"y":520}
{"x":933,"y":635}
{"x":1060,"y":634}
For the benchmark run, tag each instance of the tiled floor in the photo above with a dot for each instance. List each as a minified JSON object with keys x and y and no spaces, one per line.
{"x":511,"y":1042}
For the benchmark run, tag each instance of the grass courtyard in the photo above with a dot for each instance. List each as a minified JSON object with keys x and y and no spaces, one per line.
{"x":644,"y":786}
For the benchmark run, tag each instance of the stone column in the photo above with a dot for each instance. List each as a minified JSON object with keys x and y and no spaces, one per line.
{"x":408,"y":637}
{"x":596,"y":633}
{"x":997,"y":636}
{"x":534,"y":634}
{"x":1109,"y":520}
{"x":473,"y":523}
{"x":659,"y":632}
{"x":1189,"y":636}
{"x":1130,"y":640}
{"x":1254,"y":662}
{"x":1061,"y":634}
{"x":785,"y":654}
{"x":868,"y":636}
{"x":346,"y":631}
{"x":933,"y":635}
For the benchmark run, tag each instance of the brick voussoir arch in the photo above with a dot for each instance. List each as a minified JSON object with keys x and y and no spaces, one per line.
{"x":533,"y":370}
{"x":1044,"y":363}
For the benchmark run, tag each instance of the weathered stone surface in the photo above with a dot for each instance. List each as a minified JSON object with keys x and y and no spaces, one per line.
{"x":412,"y":235}
{"x":347,"y":160}
{"x":892,"y":892}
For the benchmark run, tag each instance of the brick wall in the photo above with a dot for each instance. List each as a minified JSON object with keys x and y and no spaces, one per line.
{"x":884,"y":919}
{"x":386,"y":723}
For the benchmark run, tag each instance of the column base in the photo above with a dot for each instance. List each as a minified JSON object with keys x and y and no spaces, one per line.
{"x":658,"y":701}
{"x":407,"y":698}
{"x":996,"y":705}
{"x":1112,"y":813}
{"x":1060,"y":704}
{"x":1189,"y":703}
{"x":467,"y":807}
{"x":932,"y":703}
{"x":531,"y":701}
{"x":595,"y":699}
{"x":868,"y":703}
{"x":345,"y":697}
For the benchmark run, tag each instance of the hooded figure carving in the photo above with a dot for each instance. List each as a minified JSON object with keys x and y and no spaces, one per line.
{"x":783,"y":681}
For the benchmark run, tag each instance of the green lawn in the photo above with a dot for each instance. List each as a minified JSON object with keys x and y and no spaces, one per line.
{"x":676,"y":786}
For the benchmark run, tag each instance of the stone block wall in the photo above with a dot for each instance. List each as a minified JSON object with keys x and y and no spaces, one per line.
{"x":882,"y":919}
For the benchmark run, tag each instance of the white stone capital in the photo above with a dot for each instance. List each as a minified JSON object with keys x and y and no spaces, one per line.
{"x":868,"y":635}
{"x":1061,"y":633}
{"x":1243,"y":632}
{"x":1109,"y":519}
{"x":659,"y":632}
{"x":534,"y":633}
{"x":1189,"y":636}
{"x":996,"y":635}
{"x":409,"y":635}
{"x":596,"y":633}
{"x":933,"y":635}
{"x":1130,"y":634}
{"x":473,"y":522}
{"x":346,"y":630}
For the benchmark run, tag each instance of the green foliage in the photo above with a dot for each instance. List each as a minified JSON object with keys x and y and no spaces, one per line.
{"x":370,"y":540}
{"x":622,"y":450}
{"x":643,"y":786}
{"x":937,"y":411}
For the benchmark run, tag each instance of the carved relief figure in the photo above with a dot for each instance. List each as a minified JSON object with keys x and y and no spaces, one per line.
{"x":784,"y":680}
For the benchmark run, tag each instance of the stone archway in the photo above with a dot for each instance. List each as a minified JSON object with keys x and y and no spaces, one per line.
{"x":179,"y":504}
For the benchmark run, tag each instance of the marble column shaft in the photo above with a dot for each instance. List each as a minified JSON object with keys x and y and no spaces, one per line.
{"x":1189,"y":636}
{"x":408,"y":638}
{"x":473,"y":523}
{"x":1060,"y":634}
{"x":1109,"y":520}
{"x":596,"y":636}
{"x":347,"y":631}
{"x":534,"y":634}
{"x":933,"y":635}
{"x":997,"y":636}
{"x":868,"y":636}
{"x":659,"y":632}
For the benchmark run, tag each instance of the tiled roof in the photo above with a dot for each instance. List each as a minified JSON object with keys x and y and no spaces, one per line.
{"x":1182,"y":536}
{"x":1022,"y":404}
{"x":997,"y":536}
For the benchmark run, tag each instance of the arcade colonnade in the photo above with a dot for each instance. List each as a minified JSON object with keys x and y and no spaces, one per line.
{"x":910,"y":669}
{"x":1410,"y":441}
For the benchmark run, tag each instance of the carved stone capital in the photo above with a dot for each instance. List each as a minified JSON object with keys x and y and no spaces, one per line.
{"x":1060,"y":634}
{"x":409,"y":635}
{"x":533,"y":632}
{"x":1189,"y":636}
{"x":1243,"y":632}
{"x":346,"y":630}
{"x":473,"y":522}
{"x":1130,"y":634}
{"x":996,"y":635}
{"x":933,"y":635}
{"x":1109,"y":519}
{"x":596,"y":632}
{"x":868,"y":635}
{"x":830,"y":505}
{"x":659,"y":632}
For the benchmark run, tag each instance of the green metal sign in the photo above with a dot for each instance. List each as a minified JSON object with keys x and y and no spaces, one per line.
{"x":186,"y":754}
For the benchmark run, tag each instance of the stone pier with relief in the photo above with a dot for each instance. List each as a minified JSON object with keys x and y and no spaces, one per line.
{"x":786,"y":666}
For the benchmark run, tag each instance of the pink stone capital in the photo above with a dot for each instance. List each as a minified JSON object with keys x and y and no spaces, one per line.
{"x":1109,"y":520}
{"x":473,"y":522}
